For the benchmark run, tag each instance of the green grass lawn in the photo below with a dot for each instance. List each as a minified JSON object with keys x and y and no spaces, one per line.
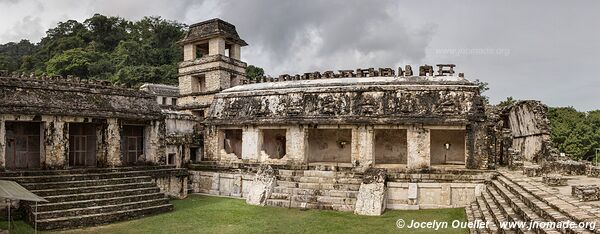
{"x":205,"y":214}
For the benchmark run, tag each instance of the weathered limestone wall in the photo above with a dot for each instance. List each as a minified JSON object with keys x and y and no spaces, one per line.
{"x":530,"y":129}
{"x":56,"y":143}
{"x":418,"y":147}
{"x":2,"y":144}
{"x":113,"y":143}
{"x":296,"y":144}
{"x":173,"y":186}
{"x":154,"y":145}
{"x":251,"y":141}
{"x":406,"y":196}
{"x":220,"y":183}
{"x":363,"y":146}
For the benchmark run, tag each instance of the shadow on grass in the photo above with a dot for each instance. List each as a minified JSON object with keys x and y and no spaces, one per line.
{"x":205,"y":214}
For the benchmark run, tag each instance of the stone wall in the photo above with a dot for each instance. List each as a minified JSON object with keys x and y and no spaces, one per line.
{"x":530,"y":129}
{"x":406,"y":196}
{"x":173,"y":186}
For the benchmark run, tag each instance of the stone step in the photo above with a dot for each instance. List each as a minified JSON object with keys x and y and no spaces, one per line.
{"x":329,"y":186}
{"x":540,"y":207}
{"x":340,"y":193}
{"x":478,"y":217}
{"x":278,"y":202}
{"x":561,"y":204}
{"x":498,"y":216}
{"x":470,"y":218}
{"x":22,"y":173}
{"x":100,"y":195}
{"x":505,"y":209}
{"x":84,"y":183}
{"x":336,"y":200}
{"x":486,"y":215}
{"x":295,"y":191}
{"x":92,"y":176}
{"x":102,"y":218}
{"x":287,"y":184}
{"x":281,"y":196}
{"x":92,"y":189}
{"x":520,"y":208}
{"x":95,"y":202}
{"x":77,"y":212}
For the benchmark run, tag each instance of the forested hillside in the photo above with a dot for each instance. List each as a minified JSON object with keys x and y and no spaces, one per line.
{"x":101,"y":47}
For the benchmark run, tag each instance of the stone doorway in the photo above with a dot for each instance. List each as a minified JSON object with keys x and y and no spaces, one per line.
{"x":274,"y":142}
{"x":330,"y":145}
{"x":447,"y":147}
{"x":232,"y":142}
{"x":82,"y":145}
{"x":23,"y":145}
{"x":390,"y":146}
{"x":132,"y":144}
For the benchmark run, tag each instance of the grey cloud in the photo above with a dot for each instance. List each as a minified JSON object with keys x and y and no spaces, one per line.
{"x":336,"y":34}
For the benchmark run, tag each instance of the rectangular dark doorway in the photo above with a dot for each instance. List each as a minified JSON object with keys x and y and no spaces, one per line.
{"x":232,"y":142}
{"x":390,"y":146}
{"x":447,"y":147}
{"x":330,"y":145}
{"x":132,"y":144}
{"x":23,"y":145}
{"x":194,"y":155}
{"x":82,"y":145}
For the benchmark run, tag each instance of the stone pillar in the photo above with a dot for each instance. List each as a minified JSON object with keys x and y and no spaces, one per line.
{"x":2,"y":144}
{"x":418,"y":147}
{"x":213,"y":143}
{"x":235,"y":51}
{"x":363,"y":150}
{"x":113,"y":143}
{"x":216,"y":46}
{"x":251,"y":141}
{"x":296,"y":144}
{"x":154,"y":149}
{"x":56,"y":144}
{"x":189,"y":52}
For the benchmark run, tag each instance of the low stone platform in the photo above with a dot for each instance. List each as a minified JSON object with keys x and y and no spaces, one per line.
{"x":89,"y":197}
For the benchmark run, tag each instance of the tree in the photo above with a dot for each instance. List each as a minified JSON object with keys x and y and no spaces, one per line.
{"x":253,"y":72}
{"x":75,"y":62}
{"x":575,"y":133}
{"x":483,"y":86}
{"x":508,"y":102}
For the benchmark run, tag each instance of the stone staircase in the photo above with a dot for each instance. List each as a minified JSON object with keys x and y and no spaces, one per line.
{"x":80,"y":198}
{"x":503,"y":201}
{"x":315,"y":189}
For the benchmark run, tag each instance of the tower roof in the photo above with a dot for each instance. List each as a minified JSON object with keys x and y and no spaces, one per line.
{"x":210,"y":29}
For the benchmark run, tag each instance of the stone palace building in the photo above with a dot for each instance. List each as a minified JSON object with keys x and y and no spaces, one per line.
{"x":361,"y":140}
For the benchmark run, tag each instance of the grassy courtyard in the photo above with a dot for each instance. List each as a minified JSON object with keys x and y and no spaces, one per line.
{"x":205,"y":214}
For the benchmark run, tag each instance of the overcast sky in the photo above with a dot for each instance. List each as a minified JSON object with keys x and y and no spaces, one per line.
{"x":549,"y":51}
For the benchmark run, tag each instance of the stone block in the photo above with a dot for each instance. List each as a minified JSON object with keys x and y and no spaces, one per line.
{"x":554,"y":180}
{"x":532,"y":170}
{"x":586,"y":192}
{"x":371,"y":199}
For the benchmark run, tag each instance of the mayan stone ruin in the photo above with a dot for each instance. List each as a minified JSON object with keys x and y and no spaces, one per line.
{"x":362,"y":140}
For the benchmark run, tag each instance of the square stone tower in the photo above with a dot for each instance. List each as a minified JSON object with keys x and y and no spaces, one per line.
{"x":211,"y":63}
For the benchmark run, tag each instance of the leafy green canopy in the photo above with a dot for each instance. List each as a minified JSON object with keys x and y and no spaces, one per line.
{"x":575,"y":133}
{"x":104,"y":48}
